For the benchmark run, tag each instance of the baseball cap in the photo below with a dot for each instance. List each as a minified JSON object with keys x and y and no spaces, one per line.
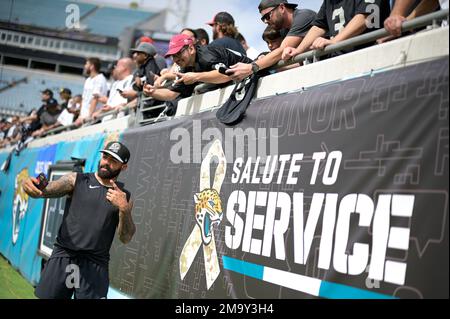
{"x":48,"y":92}
{"x":146,"y":48}
{"x":264,"y":4}
{"x":65,"y":90}
{"x":222,"y":17}
{"x":177,"y":42}
{"x":117,"y":150}
{"x":51,"y":103}
{"x":145,"y":39}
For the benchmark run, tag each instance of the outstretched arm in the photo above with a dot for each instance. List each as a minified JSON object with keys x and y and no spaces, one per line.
{"x":61,"y":187}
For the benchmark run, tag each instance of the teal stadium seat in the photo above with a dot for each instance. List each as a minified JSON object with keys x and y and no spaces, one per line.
{"x":26,"y":96}
{"x":43,"y":13}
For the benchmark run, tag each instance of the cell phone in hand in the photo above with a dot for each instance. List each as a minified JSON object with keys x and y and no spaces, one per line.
{"x":42,"y":181}
{"x":222,"y":68}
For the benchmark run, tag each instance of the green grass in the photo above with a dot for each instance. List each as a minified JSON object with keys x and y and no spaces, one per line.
{"x":12,"y":284}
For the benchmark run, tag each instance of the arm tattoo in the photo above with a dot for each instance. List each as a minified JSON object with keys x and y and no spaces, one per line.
{"x":126,"y":224}
{"x":61,"y":187}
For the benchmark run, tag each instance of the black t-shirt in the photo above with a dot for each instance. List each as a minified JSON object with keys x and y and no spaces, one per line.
{"x":206,"y":58}
{"x":229,"y":43}
{"x":89,"y":221}
{"x":302,"y":21}
{"x":148,"y":70}
{"x":336,"y":14}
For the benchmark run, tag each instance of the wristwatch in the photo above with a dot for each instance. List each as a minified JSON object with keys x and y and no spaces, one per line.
{"x":255,"y":67}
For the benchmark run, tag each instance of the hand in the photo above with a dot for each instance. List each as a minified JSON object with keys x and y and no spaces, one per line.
{"x":117,"y":198}
{"x":187,"y":78}
{"x":128,"y":94}
{"x":30,"y":188}
{"x":385,"y":39}
{"x":239,"y":71}
{"x":159,"y":81}
{"x":149,"y":90}
{"x":107,"y":108}
{"x":137,"y":81}
{"x":289,"y":53}
{"x":320,"y":43}
{"x":393,"y":25}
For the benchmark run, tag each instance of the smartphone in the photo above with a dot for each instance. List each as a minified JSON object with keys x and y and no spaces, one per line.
{"x":42,"y":181}
{"x":223,"y":70}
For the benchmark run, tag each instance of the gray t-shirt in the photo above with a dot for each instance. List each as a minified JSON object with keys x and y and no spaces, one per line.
{"x":302,"y":22}
{"x":48,"y":118}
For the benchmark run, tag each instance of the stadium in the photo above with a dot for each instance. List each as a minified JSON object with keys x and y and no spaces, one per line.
{"x":318,"y":168}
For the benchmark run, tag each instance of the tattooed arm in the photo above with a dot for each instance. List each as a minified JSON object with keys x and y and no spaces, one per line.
{"x":126,"y":226}
{"x":61,"y":187}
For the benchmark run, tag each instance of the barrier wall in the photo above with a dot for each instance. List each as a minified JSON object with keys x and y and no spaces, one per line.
{"x":355,"y":206}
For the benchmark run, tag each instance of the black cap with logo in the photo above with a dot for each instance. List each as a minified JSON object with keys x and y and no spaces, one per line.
{"x":264,"y":4}
{"x":117,"y":150}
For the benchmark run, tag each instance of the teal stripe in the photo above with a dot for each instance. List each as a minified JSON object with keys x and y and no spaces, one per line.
{"x":337,"y":291}
{"x":243,"y":267}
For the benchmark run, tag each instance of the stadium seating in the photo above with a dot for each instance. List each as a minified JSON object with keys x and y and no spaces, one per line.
{"x":26,"y":96}
{"x":112,"y":21}
{"x":99,"y":20}
{"x":45,"y":13}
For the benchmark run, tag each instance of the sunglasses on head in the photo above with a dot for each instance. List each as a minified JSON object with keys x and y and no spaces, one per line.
{"x":268,"y":15}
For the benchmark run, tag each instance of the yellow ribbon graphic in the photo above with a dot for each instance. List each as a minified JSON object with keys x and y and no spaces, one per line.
{"x":208,"y":212}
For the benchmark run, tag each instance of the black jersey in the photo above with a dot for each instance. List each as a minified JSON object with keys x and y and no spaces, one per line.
{"x":229,"y":43}
{"x":89,"y":221}
{"x":336,"y":14}
{"x":205,"y":60}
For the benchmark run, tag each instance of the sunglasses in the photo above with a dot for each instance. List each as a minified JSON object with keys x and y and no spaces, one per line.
{"x":268,"y":15}
{"x":179,"y":53}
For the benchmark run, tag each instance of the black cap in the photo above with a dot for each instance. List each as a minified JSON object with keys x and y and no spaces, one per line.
{"x":117,"y":150}
{"x":51,"y":102}
{"x":264,"y":4}
{"x":65,"y":90}
{"x":48,"y":92}
{"x":222,"y":17}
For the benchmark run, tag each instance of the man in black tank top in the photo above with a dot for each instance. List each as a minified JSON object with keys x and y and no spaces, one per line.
{"x":97,"y":205}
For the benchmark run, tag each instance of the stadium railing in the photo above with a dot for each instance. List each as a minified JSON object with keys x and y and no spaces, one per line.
{"x":431,"y":20}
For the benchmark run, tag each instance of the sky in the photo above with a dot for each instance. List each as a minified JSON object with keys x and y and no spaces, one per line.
{"x":245,"y":13}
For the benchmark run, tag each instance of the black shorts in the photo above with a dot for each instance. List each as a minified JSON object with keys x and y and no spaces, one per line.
{"x":64,"y":277}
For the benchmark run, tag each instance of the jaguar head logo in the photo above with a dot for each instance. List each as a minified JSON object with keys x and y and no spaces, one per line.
{"x":208,"y":212}
{"x":20,"y":203}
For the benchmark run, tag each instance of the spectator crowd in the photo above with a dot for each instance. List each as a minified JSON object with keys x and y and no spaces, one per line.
{"x":144,"y":79}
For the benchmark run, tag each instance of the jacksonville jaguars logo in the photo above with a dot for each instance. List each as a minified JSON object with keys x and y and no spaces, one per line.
{"x":20,"y":204}
{"x":208,"y":214}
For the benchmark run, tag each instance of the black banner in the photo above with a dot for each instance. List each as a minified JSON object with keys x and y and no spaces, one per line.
{"x":338,"y":191}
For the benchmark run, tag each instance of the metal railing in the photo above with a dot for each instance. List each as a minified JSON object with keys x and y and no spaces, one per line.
{"x":430,"y":19}
{"x":423,"y":21}
{"x":99,"y":118}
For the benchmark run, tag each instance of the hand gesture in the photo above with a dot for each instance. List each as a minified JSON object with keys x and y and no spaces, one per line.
{"x":116,"y":197}
{"x":186,"y":78}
